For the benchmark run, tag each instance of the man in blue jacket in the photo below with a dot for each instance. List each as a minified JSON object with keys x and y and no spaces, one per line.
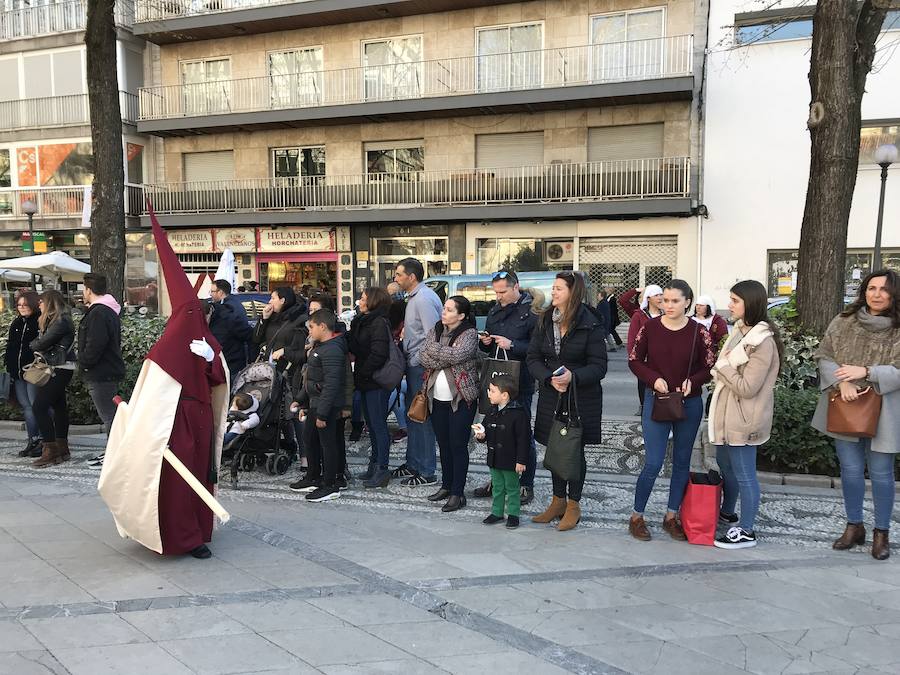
{"x":230,"y":326}
{"x":509,"y":326}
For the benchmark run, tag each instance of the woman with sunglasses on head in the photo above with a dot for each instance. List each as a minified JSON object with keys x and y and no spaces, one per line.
{"x":22,"y":330}
{"x":55,"y":344}
{"x":671,"y":353}
{"x":568,"y":349}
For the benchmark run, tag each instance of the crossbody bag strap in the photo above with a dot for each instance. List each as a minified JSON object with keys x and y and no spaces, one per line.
{"x":693,"y":349}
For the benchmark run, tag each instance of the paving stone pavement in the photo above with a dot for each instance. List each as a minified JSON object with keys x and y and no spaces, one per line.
{"x":382,"y":582}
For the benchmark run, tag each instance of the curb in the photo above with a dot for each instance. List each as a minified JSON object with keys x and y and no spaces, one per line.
{"x":74,"y":429}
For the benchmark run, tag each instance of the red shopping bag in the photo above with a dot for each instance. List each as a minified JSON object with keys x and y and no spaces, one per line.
{"x":700,"y":508}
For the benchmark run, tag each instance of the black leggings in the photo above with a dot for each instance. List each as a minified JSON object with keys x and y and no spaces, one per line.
{"x":53,"y":395}
{"x":572,"y":487}
{"x":641,"y":389}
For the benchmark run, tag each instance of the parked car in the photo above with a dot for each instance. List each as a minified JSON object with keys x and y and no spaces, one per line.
{"x":478,"y":289}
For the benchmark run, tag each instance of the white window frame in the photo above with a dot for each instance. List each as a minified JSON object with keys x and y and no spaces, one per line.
{"x":390,"y":145}
{"x":320,"y":99}
{"x":363,"y":66}
{"x":625,"y":12}
{"x":184,"y":99}
{"x":543,"y":46}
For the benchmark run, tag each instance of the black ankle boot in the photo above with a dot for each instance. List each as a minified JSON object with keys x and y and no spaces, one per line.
{"x":202,"y":552}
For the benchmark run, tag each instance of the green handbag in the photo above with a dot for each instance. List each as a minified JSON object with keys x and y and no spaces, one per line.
{"x":565,"y":451}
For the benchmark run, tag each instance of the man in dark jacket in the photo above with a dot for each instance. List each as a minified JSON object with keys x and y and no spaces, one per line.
{"x":323,"y":397}
{"x":230,"y":327}
{"x":509,"y":326}
{"x":100,"y":347}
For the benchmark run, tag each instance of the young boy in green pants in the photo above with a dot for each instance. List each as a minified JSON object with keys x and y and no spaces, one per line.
{"x":507,"y":431}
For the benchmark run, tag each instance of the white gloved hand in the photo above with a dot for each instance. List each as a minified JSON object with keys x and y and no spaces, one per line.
{"x":202,"y":349}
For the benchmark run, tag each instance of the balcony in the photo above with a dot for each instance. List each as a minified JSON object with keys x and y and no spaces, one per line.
{"x":57,"y":207}
{"x":50,"y":19}
{"x":616,"y":188}
{"x":57,"y":112}
{"x":615,"y":73}
{"x":168,"y":21}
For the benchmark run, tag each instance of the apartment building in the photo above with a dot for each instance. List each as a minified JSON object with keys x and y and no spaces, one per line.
{"x":323,"y":141}
{"x":756,"y":161}
{"x":45,"y":137}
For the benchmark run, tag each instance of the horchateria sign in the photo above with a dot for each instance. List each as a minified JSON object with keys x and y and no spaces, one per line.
{"x":296,"y":239}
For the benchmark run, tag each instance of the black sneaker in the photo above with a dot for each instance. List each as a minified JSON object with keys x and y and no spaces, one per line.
{"x":356,"y":432}
{"x":305,"y":484}
{"x":512,"y":522}
{"x":492,"y":520}
{"x":419,"y":481}
{"x":526,"y":496}
{"x":485,"y":490}
{"x":340,"y":483}
{"x":736,"y":538}
{"x":728,"y":518}
{"x":402,"y":471}
{"x":323,"y":494}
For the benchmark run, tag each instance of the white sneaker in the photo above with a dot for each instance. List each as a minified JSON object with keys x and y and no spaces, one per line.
{"x":736,"y":538}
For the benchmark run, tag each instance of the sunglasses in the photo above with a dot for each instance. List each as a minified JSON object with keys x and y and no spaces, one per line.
{"x":504,"y":274}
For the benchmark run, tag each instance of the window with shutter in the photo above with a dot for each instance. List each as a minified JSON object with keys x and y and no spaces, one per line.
{"x":497,"y":151}
{"x":207,"y":166}
{"x":635,"y":141}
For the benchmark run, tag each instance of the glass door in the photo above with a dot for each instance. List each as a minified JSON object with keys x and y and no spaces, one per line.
{"x":393,"y":69}
{"x":432,"y":252}
{"x":509,"y":57}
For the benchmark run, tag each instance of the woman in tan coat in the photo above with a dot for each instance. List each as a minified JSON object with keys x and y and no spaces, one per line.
{"x":740,"y":416}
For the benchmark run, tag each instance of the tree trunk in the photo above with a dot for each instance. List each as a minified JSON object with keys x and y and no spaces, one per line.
{"x":843,"y":47}
{"x":108,"y":192}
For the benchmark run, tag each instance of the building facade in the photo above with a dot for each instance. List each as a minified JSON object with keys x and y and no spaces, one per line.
{"x":46,"y":157}
{"x":756,"y":149}
{"x":332,"y":139}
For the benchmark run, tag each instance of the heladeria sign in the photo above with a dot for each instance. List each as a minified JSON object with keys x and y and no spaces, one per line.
{"x":295,"y":239}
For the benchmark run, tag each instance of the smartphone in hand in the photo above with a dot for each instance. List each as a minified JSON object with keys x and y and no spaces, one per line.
{"x":559,"y":371}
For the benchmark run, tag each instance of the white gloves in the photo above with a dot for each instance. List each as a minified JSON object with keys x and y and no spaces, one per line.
{"x":202,"y":349}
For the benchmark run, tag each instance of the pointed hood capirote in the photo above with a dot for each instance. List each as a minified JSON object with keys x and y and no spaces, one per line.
{"x":172,"y":351}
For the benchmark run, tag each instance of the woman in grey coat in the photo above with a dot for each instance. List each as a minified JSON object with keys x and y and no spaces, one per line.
{"x":861,"y":349}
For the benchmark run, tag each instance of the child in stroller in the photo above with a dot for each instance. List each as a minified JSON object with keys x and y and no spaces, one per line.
{"x":241,"y":417}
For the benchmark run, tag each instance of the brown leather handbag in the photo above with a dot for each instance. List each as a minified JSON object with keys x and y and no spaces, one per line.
{"x":669,"y":407}
{"x":857,"y":418}
{"x":417,"y":411}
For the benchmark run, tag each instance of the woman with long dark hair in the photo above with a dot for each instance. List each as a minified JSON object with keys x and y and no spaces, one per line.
{"x":22,"y":331}
{"x":275,"y":330}
{"x":450,"y":357}
{"x":55,"y":344}
{"x":671,"y":353}
{"x":742,"y":405}
{"x":370,"y":344}
{"x":568,"y":338}
{"x":861,"y":350}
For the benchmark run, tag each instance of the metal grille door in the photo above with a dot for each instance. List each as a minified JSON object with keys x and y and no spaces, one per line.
{"x":628,"y":262}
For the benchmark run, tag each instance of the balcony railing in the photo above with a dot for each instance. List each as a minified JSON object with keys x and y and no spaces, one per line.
{"x":60,"y":202}
{"x":551,"y":183}
{"x":561,"y":67}
{"x":158,"y":10}
{"x":58,"y":111}
{"x":61,"y":17}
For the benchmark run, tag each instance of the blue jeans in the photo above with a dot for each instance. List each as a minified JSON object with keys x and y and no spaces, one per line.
{"x":453,"y":430}
{"x":229,"y":436}
{"x":25,"y":393}
{"x":356,"y":417}
{"x":420,"y":452}
{"x":738,"y":466}
{"x":656,"y":438}
{"x":397,"y":404}
{"x":527,"y":477}
{"x":853,"y":456}
{"x":375,"y":410}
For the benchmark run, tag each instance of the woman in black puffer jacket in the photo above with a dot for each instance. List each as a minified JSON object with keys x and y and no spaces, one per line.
{"x":570,"y":335}
{"x":22,"y":331}
{"x":55,"y":343}
{"x":275,"y":331}
{"x":370,"y":338}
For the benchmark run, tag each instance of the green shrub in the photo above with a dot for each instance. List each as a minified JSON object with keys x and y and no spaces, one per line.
{"x":139,"y":334}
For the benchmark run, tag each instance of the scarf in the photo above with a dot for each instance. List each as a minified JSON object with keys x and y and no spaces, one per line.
{"x":861,"y":339}
{"x":556,"y":316}
{"x":734,"y":357}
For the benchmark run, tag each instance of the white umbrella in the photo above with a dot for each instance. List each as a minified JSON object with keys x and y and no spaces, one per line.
{"x":54,"y":264}
{"x":226,"y":269}
{"x":13,"y":275}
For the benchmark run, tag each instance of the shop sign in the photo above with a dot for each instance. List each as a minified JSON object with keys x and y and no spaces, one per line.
{"x":191,"y":241}
{"x":296,"y":240}
{"x":238,"y":239}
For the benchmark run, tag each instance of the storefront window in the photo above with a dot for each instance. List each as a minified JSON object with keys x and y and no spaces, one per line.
{"x":783,"y":270}
{"x":141,"y":272}
{"x":320,"y":276}
{"x":430,"y":251}
{"x":872,"y":136}
{"x":520,"y":255}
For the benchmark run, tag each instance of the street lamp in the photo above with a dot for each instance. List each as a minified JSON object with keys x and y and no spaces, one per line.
{"x":885,"y":155}
{"x":29,"y":208}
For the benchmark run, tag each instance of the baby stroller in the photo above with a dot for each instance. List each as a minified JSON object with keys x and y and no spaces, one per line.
{"x":271,"y":442}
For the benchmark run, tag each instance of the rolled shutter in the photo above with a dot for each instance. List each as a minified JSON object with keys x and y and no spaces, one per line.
{"x":203,"y":166}
{"x":495,"y":151}
{"x":635,"y":141}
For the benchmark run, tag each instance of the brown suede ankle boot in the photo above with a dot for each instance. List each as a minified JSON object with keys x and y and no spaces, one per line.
{"x":557,"y":509}
{"x":881,"y":546}
{"x":854,"y":535}
{"x":571,"y":517}
{"x":49,"y":456}
{"x":64,"y":453}
{"x":637,"y":528}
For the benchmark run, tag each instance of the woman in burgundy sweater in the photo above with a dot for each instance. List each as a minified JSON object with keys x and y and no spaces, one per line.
{"x":670,"y":353}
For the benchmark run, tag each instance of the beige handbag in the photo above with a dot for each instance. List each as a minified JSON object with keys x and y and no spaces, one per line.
{"x":38,"y":372}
